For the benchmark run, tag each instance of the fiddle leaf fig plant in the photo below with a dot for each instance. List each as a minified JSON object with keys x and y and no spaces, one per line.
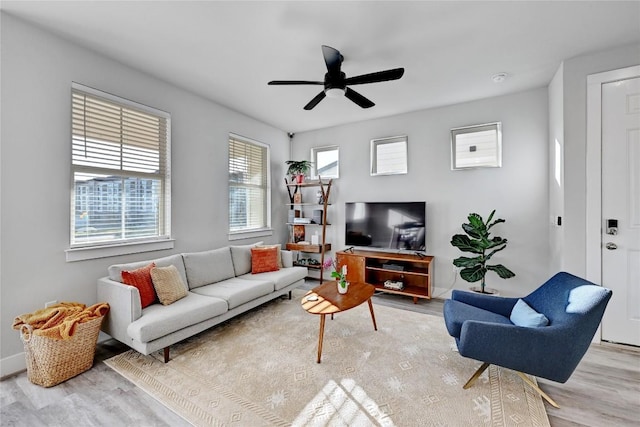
{"x":477,"y":240}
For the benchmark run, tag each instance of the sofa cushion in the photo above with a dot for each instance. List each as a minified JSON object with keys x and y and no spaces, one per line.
{"x":160,"y":320}
{"x":287,"y":258}
{"x":141,"y":279}
{"x":204,"y":268}
{"x":236,"y":291}
{"x":241,"y":256}
{"x":281,"y":278}
{"x":279,"y":256}
{"x":168,"y":284}
{"x":115,"y":271}
{"x":264,"y":259}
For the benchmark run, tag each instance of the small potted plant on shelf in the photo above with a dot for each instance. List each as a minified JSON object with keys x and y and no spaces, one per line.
{"x":340,"y":274}
{"x":298,"y":169}
{"x":477,"y":240}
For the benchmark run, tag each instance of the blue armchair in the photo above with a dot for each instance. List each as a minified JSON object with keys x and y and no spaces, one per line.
{"x":483,"y":330}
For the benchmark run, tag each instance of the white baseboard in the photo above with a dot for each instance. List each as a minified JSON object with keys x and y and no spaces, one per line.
{"x":12,"y":365}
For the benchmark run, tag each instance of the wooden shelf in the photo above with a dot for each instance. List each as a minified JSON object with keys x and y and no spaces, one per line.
{"x":298,"y":192}
{"x":412,"y":291}
{"x":312,"y":249}
{"x":312,"y":266}
{"x":303,"y":184}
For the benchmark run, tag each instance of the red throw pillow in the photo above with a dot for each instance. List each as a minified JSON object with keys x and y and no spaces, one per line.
{"x":141,"y":279}
{"x":264,"y":259}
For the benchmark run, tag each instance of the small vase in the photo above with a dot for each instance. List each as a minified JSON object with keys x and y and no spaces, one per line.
{"x":343,"y":289}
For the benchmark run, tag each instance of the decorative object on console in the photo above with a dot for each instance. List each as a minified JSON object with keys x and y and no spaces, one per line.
{"x":477,"y":241}
{"x":394,"y":284}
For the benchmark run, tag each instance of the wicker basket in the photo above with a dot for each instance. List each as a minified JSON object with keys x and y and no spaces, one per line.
{"x":50,"y":361}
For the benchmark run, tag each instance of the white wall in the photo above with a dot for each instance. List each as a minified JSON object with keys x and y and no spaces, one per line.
{"x":518,"y":190}
{"x":575,"y":75}
{"x":37,"y":71}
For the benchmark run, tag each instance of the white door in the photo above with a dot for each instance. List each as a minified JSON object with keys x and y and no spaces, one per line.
{"x":621,"y":209}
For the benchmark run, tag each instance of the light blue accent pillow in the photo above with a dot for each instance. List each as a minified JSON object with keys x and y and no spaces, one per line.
{"x":523,"y":315}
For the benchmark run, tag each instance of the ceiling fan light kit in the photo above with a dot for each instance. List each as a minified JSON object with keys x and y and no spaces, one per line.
{"x":336,"y":83}
{"x":335,"y":92}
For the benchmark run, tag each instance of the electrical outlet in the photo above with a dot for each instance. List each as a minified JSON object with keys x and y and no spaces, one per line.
{"x":50,"y":303}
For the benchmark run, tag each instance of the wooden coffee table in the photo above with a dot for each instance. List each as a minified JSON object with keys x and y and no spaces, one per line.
{"x":329,"y":301}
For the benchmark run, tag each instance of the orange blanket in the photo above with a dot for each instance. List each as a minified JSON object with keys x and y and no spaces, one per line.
{"x":60,"y":321}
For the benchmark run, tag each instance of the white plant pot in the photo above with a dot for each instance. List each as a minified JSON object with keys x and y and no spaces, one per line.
{"x":342,"y":290}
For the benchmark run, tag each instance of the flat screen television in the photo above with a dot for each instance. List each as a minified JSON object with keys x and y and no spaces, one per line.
{"x":386,"y":225}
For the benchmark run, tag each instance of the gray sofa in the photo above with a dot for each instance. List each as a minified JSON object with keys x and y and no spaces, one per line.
{"x":220,"y":286}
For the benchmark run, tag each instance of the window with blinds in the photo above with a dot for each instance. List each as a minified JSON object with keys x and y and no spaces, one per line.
{"x":249,"y":187}
{"x":120,"y":161}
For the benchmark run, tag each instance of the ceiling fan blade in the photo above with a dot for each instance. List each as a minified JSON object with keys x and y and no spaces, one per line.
{"x":319,"y":97}
{"x":379,"y":76}
{"x":293,"y":82}
{"x":358,"y":99}
{"x":333,"y":59}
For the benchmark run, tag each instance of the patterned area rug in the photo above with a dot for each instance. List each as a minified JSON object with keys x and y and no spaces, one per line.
{"x":260,"y":369}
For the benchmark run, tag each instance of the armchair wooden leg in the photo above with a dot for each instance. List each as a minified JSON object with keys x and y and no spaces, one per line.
{"x":544,"y":395}
{"x":475,"y":376}
{"x":166,"y":354}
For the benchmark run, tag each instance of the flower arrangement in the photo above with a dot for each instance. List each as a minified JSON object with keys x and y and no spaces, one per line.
{"x":340,"y":274}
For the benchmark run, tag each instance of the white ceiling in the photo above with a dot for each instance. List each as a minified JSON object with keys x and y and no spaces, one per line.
{"x":228,"y":51}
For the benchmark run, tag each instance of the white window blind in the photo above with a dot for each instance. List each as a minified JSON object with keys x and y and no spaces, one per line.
{"x":249,"y":189}
{"x":121,"y":170}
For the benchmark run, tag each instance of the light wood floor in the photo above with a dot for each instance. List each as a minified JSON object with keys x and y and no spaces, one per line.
{"x":603,"y":391}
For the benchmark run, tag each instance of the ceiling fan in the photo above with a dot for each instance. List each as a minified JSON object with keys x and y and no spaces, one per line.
{"x":336,"y":83}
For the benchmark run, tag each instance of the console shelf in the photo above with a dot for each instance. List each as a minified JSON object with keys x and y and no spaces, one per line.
{"x":414,"y":271}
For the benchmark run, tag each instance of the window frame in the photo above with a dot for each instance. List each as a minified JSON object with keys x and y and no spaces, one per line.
{"x":496,"y":161}
{"x":314,"y":159}
{"x":82,"y":250}
{"x":375,"y":165}
{"x":250,"y":232}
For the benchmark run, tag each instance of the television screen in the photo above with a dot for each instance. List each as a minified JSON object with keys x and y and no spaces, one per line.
{"x":386,"y":225}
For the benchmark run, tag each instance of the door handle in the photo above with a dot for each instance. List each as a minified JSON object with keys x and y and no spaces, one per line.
{"x":611,"y":246}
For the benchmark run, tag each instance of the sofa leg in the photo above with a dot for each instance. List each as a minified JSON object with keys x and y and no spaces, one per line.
{"x":289,"y":294}
{"x":166,"y":354}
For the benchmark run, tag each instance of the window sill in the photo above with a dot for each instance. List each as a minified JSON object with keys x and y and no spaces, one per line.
{"x":95,"y":252}
{"x":239,"y":235}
